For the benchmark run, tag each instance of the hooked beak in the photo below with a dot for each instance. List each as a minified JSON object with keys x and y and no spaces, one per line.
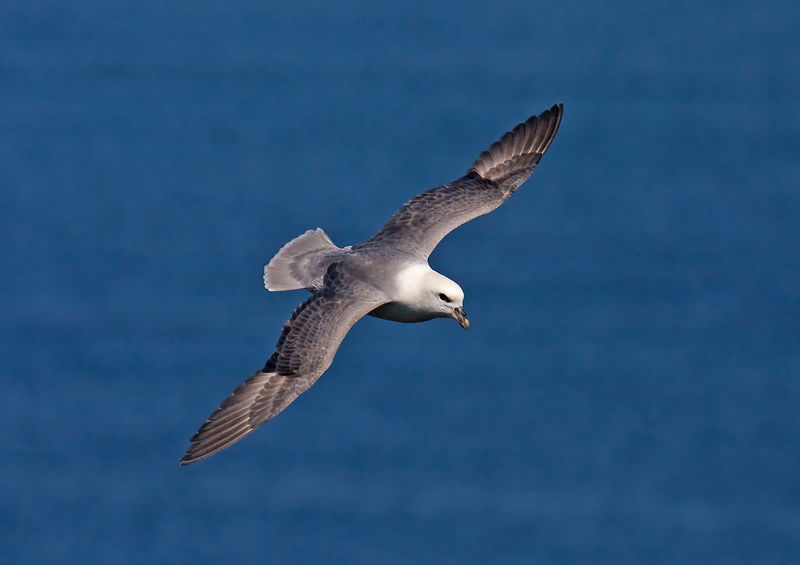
{"x":461,"y":317}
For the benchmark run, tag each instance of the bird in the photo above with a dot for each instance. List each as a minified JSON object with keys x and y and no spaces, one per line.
{"x":386,"y":276}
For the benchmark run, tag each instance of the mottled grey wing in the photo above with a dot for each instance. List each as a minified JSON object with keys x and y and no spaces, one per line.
{"x":305,"y":350}
{"x":422,"y":223}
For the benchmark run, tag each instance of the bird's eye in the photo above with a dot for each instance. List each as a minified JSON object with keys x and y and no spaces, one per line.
{"x":443,"y":296}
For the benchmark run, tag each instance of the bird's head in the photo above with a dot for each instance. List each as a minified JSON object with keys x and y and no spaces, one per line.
{"x":445,"y":298}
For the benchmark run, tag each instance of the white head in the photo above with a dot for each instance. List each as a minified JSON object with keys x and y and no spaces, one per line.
{"x":442,"y":297}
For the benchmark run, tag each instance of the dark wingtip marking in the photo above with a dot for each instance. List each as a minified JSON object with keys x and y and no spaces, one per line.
{"x":520,"y":148}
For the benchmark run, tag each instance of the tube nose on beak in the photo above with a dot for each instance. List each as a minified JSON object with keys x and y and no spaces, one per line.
{"x":461,"y":317}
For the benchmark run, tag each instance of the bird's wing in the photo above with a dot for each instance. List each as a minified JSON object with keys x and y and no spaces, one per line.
{"x":304,"y":351}
{"x":424,"y":220}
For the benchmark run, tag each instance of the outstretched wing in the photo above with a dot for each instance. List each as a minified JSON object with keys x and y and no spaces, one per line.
{"x":422,"y":223}
{"x":305,"y":350}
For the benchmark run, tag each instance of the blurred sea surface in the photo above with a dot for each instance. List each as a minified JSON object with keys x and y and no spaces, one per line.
{"x":627,"y":392}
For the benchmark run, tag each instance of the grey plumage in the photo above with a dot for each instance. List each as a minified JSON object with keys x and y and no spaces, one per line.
{"x":305,"y":350}
{"x":348,"y":283}
{"x":300,"y":263}
{"x":425,"y":219}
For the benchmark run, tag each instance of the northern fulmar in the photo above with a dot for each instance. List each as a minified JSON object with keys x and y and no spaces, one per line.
{"x":387,"y":276}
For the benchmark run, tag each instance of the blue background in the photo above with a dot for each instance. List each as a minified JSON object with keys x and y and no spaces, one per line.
{"x":628,"y":390}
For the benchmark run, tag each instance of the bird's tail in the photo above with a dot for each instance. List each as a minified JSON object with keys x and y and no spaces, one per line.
{"x":300,"y":263}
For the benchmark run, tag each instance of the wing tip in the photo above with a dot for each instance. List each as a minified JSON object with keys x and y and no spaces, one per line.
{"x":521,"y":147}
{"x":206,"y":443}
{"x":190,"y":456}
{"x":229,"y":423}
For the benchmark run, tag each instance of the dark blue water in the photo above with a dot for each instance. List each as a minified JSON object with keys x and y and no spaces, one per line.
{"x":628,"y":392}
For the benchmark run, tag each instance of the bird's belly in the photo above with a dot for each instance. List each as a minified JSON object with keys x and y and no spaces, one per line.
{"x":399,"y":312}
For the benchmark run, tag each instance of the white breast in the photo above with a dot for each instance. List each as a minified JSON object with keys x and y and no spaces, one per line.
{"x":407,"y":304}
{"x":399,"y":312}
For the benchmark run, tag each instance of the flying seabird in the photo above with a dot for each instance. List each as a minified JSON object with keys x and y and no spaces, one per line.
{"x":387,"y":276}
